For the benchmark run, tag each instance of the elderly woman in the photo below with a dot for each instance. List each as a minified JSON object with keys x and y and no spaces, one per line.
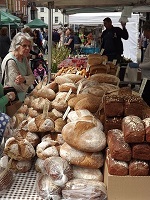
{"x":18,"y":73}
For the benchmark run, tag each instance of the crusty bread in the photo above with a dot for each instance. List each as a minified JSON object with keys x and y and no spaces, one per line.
{"x":65,"y":87}
{"x":105,"y":78}
{"x":21,"y":166}
{"x":79,"y":158}
{"x":59,"y":124}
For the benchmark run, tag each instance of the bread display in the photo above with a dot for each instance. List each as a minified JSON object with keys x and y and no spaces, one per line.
{"x":58,"y":169}
{"x":133,"y":129}
{"x":113,"y":106}
{"x":138,"y":168}
{"x":19,"y":149}
{"x":85,"y":134}
{"x":84,"y":189}
{"x":87,"y":173}
{"x":147,"y":128}
{"x":118,"y":148}
{"x":141,"y":151}
{"x":80,"y":158}
{"x":115,"y":167}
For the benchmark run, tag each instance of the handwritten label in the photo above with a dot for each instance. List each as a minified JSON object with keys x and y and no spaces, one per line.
{"x":142,"y":86}
{"x":79,"y":88}
{"x":68,"y":94}
{"x":102,"y":51}
{"x":66,"y":112}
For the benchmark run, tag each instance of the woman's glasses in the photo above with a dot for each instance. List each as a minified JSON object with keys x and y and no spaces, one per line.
{"x":25,"y":46}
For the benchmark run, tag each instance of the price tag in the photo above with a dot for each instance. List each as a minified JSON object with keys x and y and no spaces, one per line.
{"x":142,"y":86}
{"x":66,"y":112}
{"x":102,"y":51}
{"x":104,"y":62}
{"x":87,"y":68}
{"x":117,"y":72}
{"x":79,"y":88}
{"x":68,"y":94}
{"x":114,"y":61}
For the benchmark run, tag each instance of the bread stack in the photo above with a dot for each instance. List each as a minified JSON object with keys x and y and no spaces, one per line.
{"x":120,"y":104}
{"x":128,"y":150}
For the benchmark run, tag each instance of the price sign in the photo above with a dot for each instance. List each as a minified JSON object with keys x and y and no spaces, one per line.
{"x":79,"y":88}
{"x":66,"y":112}
{"x":114,"y":61}
{"x":87,"y":68}
{"x":102,"y":51}
{"x":142,"y":86}
{"x":68,"y":94}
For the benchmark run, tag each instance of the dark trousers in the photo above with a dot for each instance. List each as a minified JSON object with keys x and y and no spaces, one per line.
{"x":146,"y":93}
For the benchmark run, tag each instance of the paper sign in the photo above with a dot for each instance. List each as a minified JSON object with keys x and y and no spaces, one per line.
{"x":79,"y":88}
{"x":87,"y":68}
{"x":104,"y":62}
{"x":114,"y":61}
{"x":102,"y":51}
{"x":66,"y":112}
{"x":68,"y":94}
{"x":142,"y":86}
{"x":117,"y":72}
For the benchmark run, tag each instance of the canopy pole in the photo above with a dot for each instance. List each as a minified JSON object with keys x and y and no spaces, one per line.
{"x":50,"y":26}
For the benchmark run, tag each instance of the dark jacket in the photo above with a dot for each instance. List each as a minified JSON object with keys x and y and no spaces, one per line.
{"x":4,"y":45}
{"x":112,"y":43}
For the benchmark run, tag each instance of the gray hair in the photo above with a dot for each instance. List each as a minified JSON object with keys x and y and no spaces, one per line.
{"x":18,"y":39}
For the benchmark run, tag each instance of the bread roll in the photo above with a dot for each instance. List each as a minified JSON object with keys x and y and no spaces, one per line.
{"x":79,"y":158}
{"x":85,"y":134}
{"x":84,"y":189}
{"x":21,"y":166}
{"x":87,"y":173}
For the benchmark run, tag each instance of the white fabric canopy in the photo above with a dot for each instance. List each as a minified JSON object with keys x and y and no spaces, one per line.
{"x":130,"y":45}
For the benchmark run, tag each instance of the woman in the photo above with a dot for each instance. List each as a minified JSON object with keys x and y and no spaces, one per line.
{"x":4,"y":42}
{"x":18,"y":73}
{"x":4,"y":99}
{"x":69,"y":39}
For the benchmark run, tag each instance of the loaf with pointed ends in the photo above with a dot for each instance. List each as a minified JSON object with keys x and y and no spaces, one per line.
{"x":19,"y":149}
{"x":85,"y":134}
{"x":58,"y":169}
{"x":119,"y":149}
{"x":87,"y":173}
{"x":84,"y":189}
{"x":133,"y":129}
{"x":80,"y":158}
{"x":46,"y":188}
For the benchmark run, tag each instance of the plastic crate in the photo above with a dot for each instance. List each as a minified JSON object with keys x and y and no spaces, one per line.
{"x":90,"y":50}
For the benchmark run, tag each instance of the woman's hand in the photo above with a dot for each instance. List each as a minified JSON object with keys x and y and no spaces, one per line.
{"x":11,"y":96}
{"x":19,"y":79}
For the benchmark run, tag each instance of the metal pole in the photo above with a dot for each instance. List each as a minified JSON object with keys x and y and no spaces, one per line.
{"x":50,"y":26}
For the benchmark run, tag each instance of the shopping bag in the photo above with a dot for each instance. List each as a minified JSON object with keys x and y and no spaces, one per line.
{"x":11,"y":89}
{"x":13,"y":107}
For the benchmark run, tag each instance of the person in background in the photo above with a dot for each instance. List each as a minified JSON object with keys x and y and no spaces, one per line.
{"x":145,"y":65}
{"x":38,"y":41}
{"x":4,"y":42}
{"x":77,"y":42}
{"x":89,"y":39}
{"x":4,"y":99}
{"x":111,"y":39}
{"x":39,"y":71}
{"x":55,"y":37}
{"x":81,"y":36}
{"x":18,"y":73}
{"x":69,"y":39}
{"x":143,"y":42}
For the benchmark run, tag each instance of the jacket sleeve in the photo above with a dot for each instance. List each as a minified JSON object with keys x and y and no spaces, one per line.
{"x":3,"y":98}
{"x":124,"y":34}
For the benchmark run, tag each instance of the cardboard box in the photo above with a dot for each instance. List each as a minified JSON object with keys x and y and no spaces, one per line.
{"x":127,"y":187}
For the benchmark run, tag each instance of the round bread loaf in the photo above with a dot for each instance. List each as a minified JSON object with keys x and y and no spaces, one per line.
{"x":85,"y":134}
{"x":21,"y":166}
{"x":79,"y":158}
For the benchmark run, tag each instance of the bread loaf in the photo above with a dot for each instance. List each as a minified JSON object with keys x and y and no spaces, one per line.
{"x":79,"y":158}
{"x":141,"y":151}
{"x":119,"y":149}
{"x":138,"y":168}
{"x":59,"y":124}
{"x":133,"y":129}
{"x":147,"y":128}
{"x":105,"y":78}
{"x":115,"y":167}
{"x":21,"y":166}
{"x":85,"y":134}
{"x":65,"y":87}
{"x":84,"y":189}
{"x":112,"y":123}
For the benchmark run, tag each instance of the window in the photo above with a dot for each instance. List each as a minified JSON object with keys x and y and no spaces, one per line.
{"x":56,"y":19}
{"x":56,"y":10}
{"x":42,"y":18}
{"x":42,"y":9}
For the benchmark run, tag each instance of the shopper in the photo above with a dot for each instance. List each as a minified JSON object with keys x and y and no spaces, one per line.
{"x":143,"y":42}
{"x":145,"y":65}
{"x":18,"y":73}
{"x":4,"y":42}
{"x":69,"y":39}
{"x":111,"y":39}
{"x":39,"y":71}
{"x":4,"y":99}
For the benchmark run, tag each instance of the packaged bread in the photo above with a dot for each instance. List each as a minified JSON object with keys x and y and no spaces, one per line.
{"x":133,"y":129}
{"x":84,"y":189}
{"x":85,"y":134}
{"x":119,"y":149}
{"x":80,"y":158}
{"x":138,"y":168}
